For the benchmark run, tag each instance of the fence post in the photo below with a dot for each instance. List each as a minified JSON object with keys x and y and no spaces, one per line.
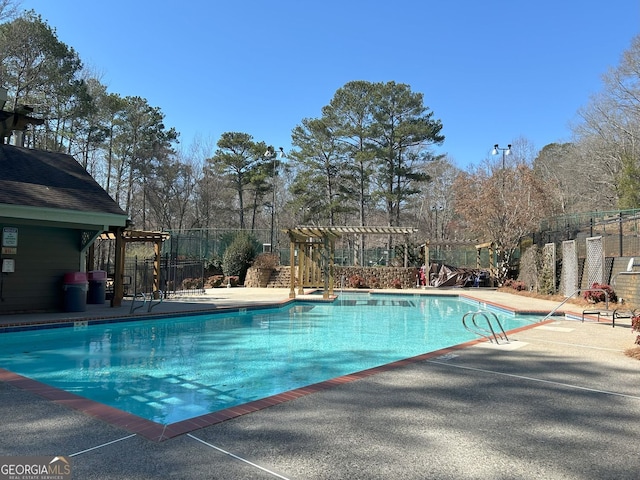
{"x":620,"y":233}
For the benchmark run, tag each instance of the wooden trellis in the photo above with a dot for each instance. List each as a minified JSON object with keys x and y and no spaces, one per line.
{"x":312,"y":254}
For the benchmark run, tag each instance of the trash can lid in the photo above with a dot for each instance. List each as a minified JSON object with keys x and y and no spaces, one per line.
{"x":75,"y":277}
{"x":97,"y":275}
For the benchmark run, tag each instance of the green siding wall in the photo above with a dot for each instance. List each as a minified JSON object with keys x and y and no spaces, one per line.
{"x":44,"y":255}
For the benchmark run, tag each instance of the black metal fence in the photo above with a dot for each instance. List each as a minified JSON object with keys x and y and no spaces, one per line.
{"x":177,"y":277}
{"x":211,"y":243}
{"x":620,"y":230}
{"x":186,"y":255}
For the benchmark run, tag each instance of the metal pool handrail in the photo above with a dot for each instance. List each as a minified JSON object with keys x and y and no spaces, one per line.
{"x":133,"y":302}
{"x":151,"y":304}
{"x":489,"y":333}
{"x":606,"y":298}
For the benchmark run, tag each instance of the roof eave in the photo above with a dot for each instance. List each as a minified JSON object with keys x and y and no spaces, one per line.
{"x":62,"y":216}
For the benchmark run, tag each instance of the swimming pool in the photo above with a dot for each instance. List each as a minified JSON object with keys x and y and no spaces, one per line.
{"x":172,"y":369}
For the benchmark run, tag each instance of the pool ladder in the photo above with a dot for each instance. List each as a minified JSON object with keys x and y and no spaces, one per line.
{"x":150,"y":304}
{"x":488,"y":332}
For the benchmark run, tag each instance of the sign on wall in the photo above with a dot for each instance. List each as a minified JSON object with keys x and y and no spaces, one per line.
{"x":8,"y":265}
{"x":9,"y":237}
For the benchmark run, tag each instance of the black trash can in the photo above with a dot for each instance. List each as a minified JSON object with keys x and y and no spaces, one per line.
{"x":74,"y":286}
{"x":97,"y":287}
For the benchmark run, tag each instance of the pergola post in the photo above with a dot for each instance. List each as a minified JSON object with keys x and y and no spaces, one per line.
{"x":316,"y":265}
{"x":118,"y":276}
{"x":406,"y":252}
{"x":493,"y":262}
{"x":157,"y":245}
{"x":302,"y":267}
{"x":310,"y":265}
{"x":426,"y":254}
{"x":292,"y":262}
{"x":325,"y":267}
{"x":332,"y":255}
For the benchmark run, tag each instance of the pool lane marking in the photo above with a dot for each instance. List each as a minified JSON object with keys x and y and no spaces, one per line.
{"x":237,"y":457}
{"x":551,"y":382}
{"x":103,"y":445}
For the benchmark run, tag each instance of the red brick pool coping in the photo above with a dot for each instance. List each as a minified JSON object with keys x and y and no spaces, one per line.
{"x":158,"y":432}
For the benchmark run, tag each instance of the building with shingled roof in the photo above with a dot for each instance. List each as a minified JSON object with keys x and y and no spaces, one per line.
{"x":51,"y":212}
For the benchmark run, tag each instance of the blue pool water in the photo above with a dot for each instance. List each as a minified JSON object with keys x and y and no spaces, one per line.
{"x":168,"y":370}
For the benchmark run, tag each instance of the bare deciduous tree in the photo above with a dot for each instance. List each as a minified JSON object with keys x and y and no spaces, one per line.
{"x":9,"y":9}
{"x":609,"y":135}
{"x":502,"y":205}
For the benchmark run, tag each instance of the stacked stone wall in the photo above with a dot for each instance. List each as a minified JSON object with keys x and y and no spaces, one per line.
{"x":277,"y":278}
{"x":627,"y":288}
{"x":625,"y":284}
{"x":345,"y":277}
{"x":375,"y":277}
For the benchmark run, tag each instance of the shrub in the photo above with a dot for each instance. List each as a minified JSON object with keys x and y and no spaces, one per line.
{"x":215,"y":281}
{"x":373,"y":282}
{"x":517,"y":285}
{"x":356,"y":281}
{"x":191,"y":284}
{"x":213,"y":264}
{"x":267,"y":261}
{"x":635,"y":327}
{"x":596,"y":296}
{"x":238,"y":256}
{"x":396,"y":283}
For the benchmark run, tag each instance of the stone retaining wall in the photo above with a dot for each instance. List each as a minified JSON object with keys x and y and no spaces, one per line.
{"x":375,"y":277}
{"x":275,"y":278}
{"x":346,"y":277}
{"x":627,"y":288}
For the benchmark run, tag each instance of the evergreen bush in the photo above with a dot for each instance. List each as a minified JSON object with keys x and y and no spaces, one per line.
{"x":238,"y":256}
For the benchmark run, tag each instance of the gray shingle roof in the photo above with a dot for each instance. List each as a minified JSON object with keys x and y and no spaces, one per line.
{"x":36,"y":178}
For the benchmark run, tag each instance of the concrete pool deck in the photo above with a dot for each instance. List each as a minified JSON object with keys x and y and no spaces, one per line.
{"x":560,"y":401}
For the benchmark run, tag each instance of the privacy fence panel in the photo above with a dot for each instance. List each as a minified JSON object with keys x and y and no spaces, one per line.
{"x":569,"y":282}
{"x":549,"y":263}
{"x":594,"y":265}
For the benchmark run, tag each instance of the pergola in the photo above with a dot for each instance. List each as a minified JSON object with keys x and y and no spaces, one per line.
{"x":122,"y":237}
{"x":315,"y":248}
{"x":492,"y":247}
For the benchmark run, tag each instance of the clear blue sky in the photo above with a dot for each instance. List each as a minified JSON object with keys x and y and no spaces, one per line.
{"x":491,"y":70}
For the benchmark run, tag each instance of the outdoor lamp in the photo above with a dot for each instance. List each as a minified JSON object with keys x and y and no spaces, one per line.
{"x":505,"y":151}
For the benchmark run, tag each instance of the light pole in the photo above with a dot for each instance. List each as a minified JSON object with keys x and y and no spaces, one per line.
{"x":436,"y":209}
{"x":270,"y":154}
{"x":505,"y":151}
